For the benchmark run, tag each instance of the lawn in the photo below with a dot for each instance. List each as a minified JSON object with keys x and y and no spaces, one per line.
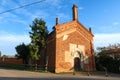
{"x":21,"y":67}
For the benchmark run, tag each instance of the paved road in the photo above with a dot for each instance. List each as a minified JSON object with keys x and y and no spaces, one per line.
{"x":26,"y":75}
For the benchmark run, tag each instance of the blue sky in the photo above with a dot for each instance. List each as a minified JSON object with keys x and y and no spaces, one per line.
{"x":102,"y":15}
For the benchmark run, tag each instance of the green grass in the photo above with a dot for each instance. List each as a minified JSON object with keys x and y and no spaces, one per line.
{"x":83,"y":73}
{"x":76,"y":72}
{"x":21,"y":67}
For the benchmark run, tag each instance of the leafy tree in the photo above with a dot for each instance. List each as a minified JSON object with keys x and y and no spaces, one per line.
{"x":113,"y":50}
{"x":38,"y":37}
{"x":0,"y":54}
{"x":23,"y":52}
{"x":104,"y":60}
{"x":34,"y":49}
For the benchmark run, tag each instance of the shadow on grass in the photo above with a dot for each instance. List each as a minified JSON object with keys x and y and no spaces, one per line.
{"x":66,"y":78}
{"x":90,"y":73}
{"x":21,"y":67}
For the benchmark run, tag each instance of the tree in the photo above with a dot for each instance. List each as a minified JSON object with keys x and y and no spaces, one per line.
{"x":0,"y":54}
{"x":22,"y":52}
{"x":104,"y":60}
{"x":34,"y":51}
{"x":38,"y":37}
{"x":111,"y":49}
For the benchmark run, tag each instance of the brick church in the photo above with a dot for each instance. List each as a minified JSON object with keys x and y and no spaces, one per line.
{"x":70,"y":47}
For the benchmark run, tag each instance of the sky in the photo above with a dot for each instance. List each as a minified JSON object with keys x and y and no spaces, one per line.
{"x":103,"y":16}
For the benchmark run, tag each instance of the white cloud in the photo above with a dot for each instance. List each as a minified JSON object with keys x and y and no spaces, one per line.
{"x":80,"y":8}
{"x":62,"y":16}
{"x":111,"y":28}
{"x":4,"y":18}
{"x":8,"y":42}
{"x":53,"y":3}
{"x":3,"y":2}
{"x":39,"y":14}
{"x":8,"y":4}
{"x":115,"y":23}
{"x":13,"y":15}
{"x":14,"y":38}
{"x":101,"y":40}
{"x":9,"y":17}
{"x":18,"y":15}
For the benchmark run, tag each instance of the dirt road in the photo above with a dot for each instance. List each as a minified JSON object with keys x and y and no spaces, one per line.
{"x":27,"y":75}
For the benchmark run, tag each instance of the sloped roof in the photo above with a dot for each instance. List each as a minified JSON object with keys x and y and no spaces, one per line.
{"x":67,"y":23}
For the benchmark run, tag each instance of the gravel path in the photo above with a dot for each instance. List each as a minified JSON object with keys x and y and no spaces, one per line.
{"x":27,"y":75}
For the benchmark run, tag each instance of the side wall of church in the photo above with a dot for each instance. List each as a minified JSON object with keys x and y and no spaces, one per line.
{"x":51,"y":53}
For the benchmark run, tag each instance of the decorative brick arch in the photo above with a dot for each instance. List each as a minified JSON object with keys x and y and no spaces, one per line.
{"x":78,"y":59}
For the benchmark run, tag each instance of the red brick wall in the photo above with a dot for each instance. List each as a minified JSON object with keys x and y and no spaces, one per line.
{"x":0,"y":60}
{"x":11,"y":61}
{"x":51,"y":52}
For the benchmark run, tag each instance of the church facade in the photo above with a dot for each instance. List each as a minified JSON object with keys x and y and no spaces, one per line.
{"x":70,"y":47}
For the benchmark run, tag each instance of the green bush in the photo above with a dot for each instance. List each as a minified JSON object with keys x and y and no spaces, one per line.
{"x":106,"y":62}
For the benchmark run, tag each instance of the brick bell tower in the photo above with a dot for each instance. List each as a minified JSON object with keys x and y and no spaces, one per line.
{"x":75,"y":12}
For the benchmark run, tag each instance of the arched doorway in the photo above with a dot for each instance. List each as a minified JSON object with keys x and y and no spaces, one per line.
{"x":77,"y":62}
{"x":78,"y":59}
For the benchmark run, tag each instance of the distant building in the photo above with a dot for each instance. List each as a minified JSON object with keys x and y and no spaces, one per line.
{"x":114,"y":53}
{"x":70,"y":47}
